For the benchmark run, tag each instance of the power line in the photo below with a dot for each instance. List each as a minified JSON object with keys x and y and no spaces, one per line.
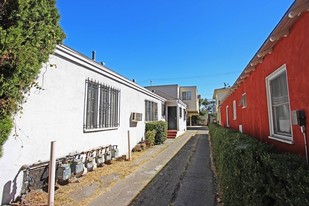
{"x":190,"y":77}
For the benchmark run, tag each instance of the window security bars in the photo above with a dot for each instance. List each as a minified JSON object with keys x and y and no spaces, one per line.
{"x":151,"y":111}
{"x":102,"y":106}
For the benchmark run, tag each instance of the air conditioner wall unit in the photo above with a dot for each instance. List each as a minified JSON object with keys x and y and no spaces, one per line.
{"x":135,"y":117}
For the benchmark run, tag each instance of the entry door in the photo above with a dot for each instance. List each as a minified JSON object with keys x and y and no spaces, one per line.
{"x":172,"y":118}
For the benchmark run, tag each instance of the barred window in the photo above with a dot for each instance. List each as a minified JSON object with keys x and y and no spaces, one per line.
{"x":151,"y":111}
{"x":102,"y":106}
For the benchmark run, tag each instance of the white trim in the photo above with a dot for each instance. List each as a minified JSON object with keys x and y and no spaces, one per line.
{"x":100,"y":129}
{"x":227,"y":115}
{"x":244,"y":100}
{"x":281,"y":139}
{"x":278,"y":137}
{"x":234,"y":110}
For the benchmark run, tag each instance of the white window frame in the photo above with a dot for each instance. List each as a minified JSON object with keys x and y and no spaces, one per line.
{"x":234,"y":110}
{"x":279,"y":137}
{"x":227,"y":116}
{"x":243,"y":100}
{"x":186,"y":95}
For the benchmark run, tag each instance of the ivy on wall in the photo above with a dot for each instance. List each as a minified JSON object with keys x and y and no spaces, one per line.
{"x":29,"y":32}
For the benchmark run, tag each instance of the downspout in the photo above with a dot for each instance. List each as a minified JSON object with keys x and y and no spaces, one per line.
{"x":303,"y":130}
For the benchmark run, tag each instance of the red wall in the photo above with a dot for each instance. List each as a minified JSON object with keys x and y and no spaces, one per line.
{"x":293,"y":51}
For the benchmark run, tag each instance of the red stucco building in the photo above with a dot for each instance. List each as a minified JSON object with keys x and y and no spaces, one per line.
{"x":275,"y":84}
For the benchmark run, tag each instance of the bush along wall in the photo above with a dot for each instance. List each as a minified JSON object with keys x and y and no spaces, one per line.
{"x":253,"y":173}
{"x":150,"y":137}
{"x":161,"y":130}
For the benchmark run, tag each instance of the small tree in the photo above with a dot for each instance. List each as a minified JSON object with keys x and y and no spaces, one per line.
{"x":29,"y":32}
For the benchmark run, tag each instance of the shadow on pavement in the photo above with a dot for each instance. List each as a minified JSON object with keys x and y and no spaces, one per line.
{"x":197,"y":128}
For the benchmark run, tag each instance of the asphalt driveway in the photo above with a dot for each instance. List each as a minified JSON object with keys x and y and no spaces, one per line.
{"x":186,"y":180}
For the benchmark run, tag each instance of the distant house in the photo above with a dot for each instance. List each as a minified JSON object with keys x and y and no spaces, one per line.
{"x":270,"y":97}
{"x":182,"y":103}
{"x":218,"y":96}
{"x":82,"y":106}
{"x":175,"y":108}
{"x":190,"y":96}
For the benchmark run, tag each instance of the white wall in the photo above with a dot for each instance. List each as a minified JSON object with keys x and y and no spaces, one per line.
{"x":56,"y":113}
{"x":181,"y":123}
{"x":167,"y":91}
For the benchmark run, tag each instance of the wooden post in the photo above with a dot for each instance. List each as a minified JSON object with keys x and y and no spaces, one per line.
{"x":51,"y":177}
{"x":129,"y":147}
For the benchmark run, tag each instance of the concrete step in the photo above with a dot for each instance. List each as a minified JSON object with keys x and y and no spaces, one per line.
{"x":171,"y":134}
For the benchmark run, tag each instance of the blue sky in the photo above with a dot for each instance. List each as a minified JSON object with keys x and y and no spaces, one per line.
{"x":191,"y":43}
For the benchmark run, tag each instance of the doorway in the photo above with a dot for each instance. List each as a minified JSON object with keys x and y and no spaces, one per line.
{"x":172,"y":118}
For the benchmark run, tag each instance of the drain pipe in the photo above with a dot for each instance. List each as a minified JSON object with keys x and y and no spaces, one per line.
{"x":303,"y":130}
{"x":129,"y":147}
{"x":51,"y":177}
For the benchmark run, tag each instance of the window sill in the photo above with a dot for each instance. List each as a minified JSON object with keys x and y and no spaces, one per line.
{"x":281,"y":139}
{"x":99,"y":129}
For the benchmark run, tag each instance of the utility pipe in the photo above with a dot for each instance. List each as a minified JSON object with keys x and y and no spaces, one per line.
{"x":51,"y":177}
{"x":129,"y":147}
{"x":303,"y":130}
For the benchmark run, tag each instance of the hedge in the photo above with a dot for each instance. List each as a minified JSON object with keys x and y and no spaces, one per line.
{"x":253,"y":173}
{"x":150,"y":137}
{"x":161,"y":130}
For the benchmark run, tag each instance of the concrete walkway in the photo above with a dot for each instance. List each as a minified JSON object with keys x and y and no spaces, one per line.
{"x":124,"y":191}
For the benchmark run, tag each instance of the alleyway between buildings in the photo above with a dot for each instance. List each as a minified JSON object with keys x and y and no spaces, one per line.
{"x":186,"y":180}
{"x":176,"y":172}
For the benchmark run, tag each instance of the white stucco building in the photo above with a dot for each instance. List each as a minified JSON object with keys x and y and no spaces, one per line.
{"x":82,"y":105}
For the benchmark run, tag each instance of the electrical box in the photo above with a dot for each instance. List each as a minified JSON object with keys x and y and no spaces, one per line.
{"x":299,"y":117}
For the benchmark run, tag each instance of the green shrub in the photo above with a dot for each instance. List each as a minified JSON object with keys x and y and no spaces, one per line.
{"x":150,"y":137}
{"x":161,"y":130}
{"x":5,"y":129}
{"x":253,"y":173}
{"x":29,"y":32}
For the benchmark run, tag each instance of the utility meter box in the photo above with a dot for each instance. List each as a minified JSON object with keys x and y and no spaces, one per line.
{"x":108,"y":155}
{"x":89,"y":164}
{"x":77,"y":167}
{"x":299,"y":117}
{"x":100,"y":160}
{"x":64,"y":172}
{"x":114,"y":151}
